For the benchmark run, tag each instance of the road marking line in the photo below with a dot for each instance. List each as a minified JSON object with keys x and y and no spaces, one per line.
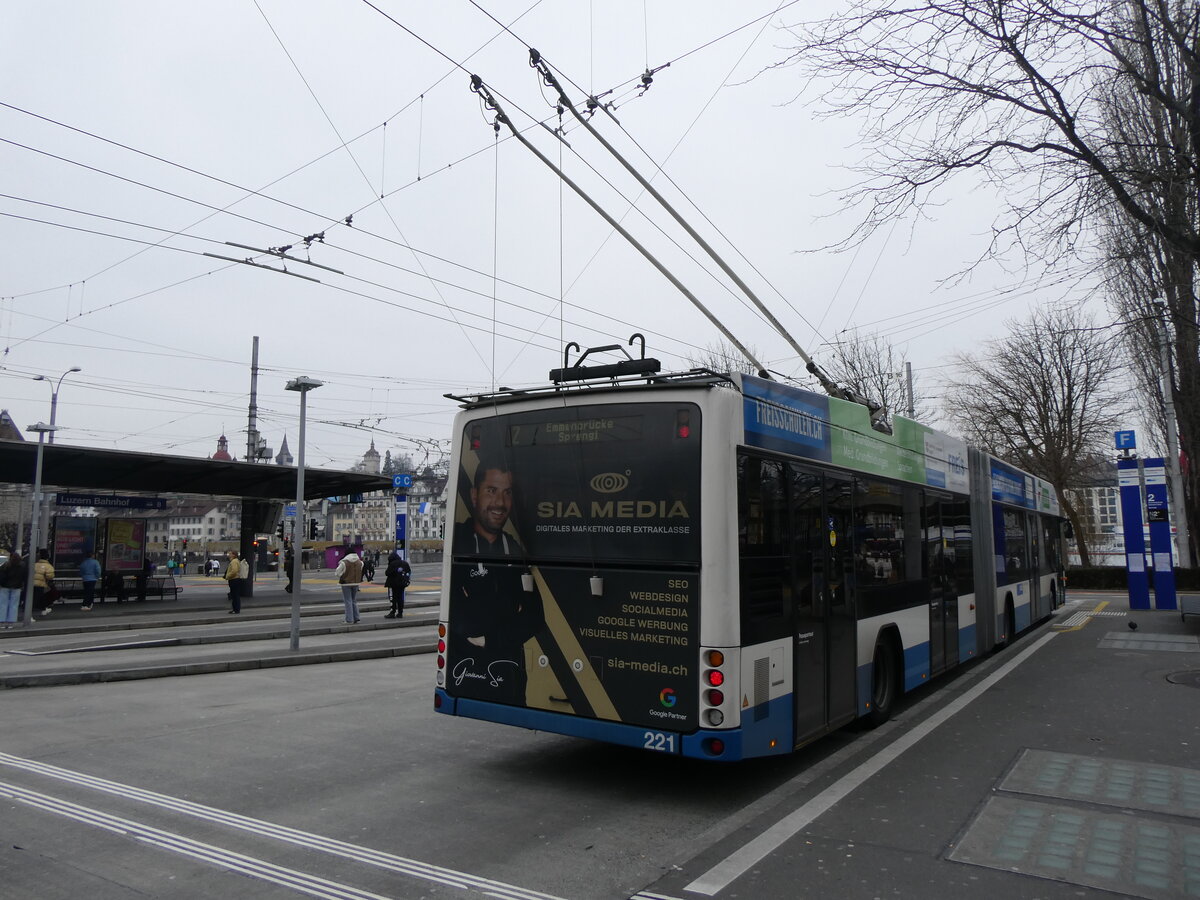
{"x":246,"y":865}
{"x":378,"y":858}
{"x":750,"y":854}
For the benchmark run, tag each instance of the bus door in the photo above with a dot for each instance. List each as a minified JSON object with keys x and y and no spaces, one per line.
{"x":823,"y":649}
{"x":843,"y":623}
{"x":1039,"y":606}
{"x":943,"y":596}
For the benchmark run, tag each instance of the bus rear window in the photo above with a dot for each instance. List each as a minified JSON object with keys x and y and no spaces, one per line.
{"x":611,"y":483}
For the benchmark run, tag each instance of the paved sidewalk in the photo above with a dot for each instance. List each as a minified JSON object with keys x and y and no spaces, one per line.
{"x":195,"y":634}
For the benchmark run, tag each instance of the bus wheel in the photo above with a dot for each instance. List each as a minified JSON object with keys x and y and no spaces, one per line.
{"x":885,"y":684}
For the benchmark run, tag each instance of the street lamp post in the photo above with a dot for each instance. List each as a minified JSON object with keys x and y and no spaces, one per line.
{"x":41,"y":429}
{"x":303,"y":385}
{"x":53,"y":420}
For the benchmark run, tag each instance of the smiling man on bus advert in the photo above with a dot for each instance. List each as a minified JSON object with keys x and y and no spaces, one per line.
{"x":492,"y":615}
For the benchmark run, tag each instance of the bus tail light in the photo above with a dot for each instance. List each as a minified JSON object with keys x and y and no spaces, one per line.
{"x":683,"y":423}
{"x":441,"y":655}
{"x":713,"y":712}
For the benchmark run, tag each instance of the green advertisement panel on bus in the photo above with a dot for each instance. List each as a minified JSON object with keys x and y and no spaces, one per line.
{"x":574,"y":556}
{"x":790,"y":420}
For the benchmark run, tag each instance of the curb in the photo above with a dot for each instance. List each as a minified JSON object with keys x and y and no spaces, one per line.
{"x":53,"y":679}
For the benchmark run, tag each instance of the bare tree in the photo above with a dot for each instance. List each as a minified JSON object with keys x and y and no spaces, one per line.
{"x":1142,"y":266}
{"x":724,"y":357}
{"x":1045,"y":397}
{"x":872,"y":367}
{"x":1079,"y":112}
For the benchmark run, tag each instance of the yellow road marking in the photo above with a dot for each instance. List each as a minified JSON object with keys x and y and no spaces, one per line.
{"x":1103,"y":603}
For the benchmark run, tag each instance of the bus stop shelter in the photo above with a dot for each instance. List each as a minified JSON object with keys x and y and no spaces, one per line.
{"x":261,"y":486}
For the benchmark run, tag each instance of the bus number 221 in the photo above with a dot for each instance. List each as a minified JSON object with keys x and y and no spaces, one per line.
{"x":657,"y":740}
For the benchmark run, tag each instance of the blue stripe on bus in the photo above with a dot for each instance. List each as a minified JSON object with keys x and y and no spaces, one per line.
{"x":862,"y":679}
{"x":1023,"y":616}
{"x":916,"y":665}
{"x":762,"y":724}
{"x":966,"y":643}
{"x":752,"y":740}
{"x":556,"y":723}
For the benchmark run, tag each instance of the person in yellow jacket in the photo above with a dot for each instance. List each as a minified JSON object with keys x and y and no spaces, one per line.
{"x":43,"y":580}
{"x":235,"y":574}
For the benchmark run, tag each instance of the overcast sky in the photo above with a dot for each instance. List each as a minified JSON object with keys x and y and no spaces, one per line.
{"x":138,"y":136}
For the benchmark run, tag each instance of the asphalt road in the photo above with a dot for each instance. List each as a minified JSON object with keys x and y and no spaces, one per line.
{"x":340,"y":781}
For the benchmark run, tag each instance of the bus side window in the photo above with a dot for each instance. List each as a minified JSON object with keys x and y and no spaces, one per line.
{"x":762,"y":547}
{"x":808,"y":536}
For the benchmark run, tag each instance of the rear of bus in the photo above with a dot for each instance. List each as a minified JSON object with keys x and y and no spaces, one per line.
{"x":571,"y":580}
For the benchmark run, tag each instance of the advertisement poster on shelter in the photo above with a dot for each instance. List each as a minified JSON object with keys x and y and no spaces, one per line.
{"x":126,"y":545}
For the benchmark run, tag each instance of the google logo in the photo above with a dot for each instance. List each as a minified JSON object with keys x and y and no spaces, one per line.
{"x":667,"y":697}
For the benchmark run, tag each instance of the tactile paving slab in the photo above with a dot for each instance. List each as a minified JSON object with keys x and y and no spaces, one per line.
{"x":1132,"y":640}
{"x":1137,"y":857}
{"x":1122,"y":783}
{"x":1123,"y":826}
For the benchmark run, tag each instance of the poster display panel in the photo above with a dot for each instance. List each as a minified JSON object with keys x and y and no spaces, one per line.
{"x":74,"y":539}
{"x":126,"y":545}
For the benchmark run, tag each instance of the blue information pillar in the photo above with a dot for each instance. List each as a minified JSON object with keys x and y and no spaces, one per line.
{"x":1129,"y":483}
{"x":1158,"y":515}
{"x":402,"y":523}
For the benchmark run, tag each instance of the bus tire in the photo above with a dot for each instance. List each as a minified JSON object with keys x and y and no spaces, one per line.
{"x":885,"y":681}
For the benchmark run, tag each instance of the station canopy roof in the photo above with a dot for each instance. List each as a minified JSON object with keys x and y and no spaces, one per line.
{"x":78,"y":468}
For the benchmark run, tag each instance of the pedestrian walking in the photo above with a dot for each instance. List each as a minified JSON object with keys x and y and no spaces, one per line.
{"x":396,"y":577}
{"x":289,"y":561}
{"x":349,"y":574}
{"x":12,"y":582}
{"x":89,"y":574}
{"x":235,"y":578}
{"x":44,"y":592}
{"x":368,"y":566}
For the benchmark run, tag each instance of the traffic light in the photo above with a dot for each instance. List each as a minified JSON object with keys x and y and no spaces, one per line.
{"x":312,"y":529}
{"x":185,"y":543}
{"x":166,"y":544}
{"x":279,"y":530}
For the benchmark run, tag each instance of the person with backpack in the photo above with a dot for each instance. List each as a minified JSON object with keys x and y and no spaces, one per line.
{"x":12,"y":583}
{"x":349,"y":573}
{"x":396,"y":578}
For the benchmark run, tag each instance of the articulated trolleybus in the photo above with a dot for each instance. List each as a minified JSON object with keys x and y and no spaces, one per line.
{"x":722,"y":566}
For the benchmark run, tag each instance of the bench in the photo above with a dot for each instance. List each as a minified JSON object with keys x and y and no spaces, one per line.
{"x":161,"y":587}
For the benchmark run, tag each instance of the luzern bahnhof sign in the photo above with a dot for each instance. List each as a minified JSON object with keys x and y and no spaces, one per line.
{"x":110,"y":501}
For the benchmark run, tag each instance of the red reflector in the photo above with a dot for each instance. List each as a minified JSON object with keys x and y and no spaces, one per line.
{"x":715,"y":678}
{"x":475,"y":442}
{"x":715,"y":697}
{"x":684,"y":431}
{"x":441,"y":662}
{"x":437,"y":701}
{"x":441,"y":646}
{"x":714,"y":746}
